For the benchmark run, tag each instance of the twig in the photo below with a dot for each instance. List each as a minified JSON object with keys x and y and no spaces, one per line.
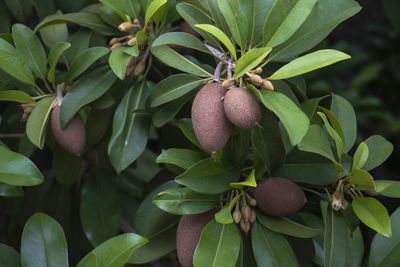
{"x":11,"y":135}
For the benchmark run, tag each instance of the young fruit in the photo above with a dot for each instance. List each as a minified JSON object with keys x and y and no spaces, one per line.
{"x":242,"y":108}
{"x":73,"y":137}
{"x":188,"y":235}
{"x":210,"y":124}
{"x":279,"y":196}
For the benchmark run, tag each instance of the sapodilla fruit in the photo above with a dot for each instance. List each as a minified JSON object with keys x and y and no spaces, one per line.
{"x":73,"y":137}
{"x":210,"y":124}
{"x":279,"y":196}
{"x":241,"y":108}
{"x":188,"y":235}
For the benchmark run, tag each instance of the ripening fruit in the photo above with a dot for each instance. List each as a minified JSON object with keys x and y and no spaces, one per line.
{"x":188,"y":235}
{"x":279,"y":196}
{"x":241,"y":108}
{"x":210,"y":124}
{"x":72,"y":139}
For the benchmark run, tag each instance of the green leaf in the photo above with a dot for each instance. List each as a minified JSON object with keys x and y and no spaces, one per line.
{"x":235,"y":19}
{"x":335,"y":239}
{"x":379,"y":150}
{"x":172,"y":88}
{"x":110,"y":16}
{"x":220,"y":35}
{"x":310,"y":106}
{"x":79,"y":43}
{"x":325,"y":16}
{"x":55,"y":53}
{"x":295,"y":121}
{"x":9,"y":256}
{"x":152,"y":9}
{"x":284,"y":18}
{"x":372,"y":213}
{"x":54,"y":34}
{"x":286,"y":226}
{"x":316,"y":141}
{"x":115,"y":251}
{"x":84,"y":19}
{"x":270,"y":248}
{"x":124,"y":7}
{"x":360,"y":156}
{"x":385,"y":251}
{"x":30,"y":47}
{"x":219,"y":245}
{"x":224,"y":215}
{"x":16,"y":96}
{"x":181,"y":201}
{"x":90,"y":260}
{"x":10,"y":191}
{"x":334,"y":122}
{"x":250,"y":181}
{"x":84,"y":61}
{"x":355,"y":251}
{"x":100,"y":211}
{"x":43,"y":242}
{"x":361,"y":177}
{"x":181,"y":39}
{"x":16,"y":169}
{"x":186,"y":127}
{"x":173,"y":59}
{"x":37,"y":121}
{"x":183,"y":158}
{"x":86,"y":90}
{"x":346,"y":116}
{"x":207,"y":177}
{"x":130,"y":130}
{"x":118,"y":62}
{"x":339,"y":142}
{"x":12,"y":63}
{"x":309,"y":62}
{"x":388,"y":188}
{"x":250,"y":60}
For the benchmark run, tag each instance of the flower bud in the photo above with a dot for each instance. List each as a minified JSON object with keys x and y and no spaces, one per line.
{"x":226,"y":84}
{"x":267,"y":85}
{"x":237,"y":216}
{"x":337,"y":200}
{"x":256,"y":79}
{"x":245,"y":226}
{"x":132,"y":41}
{"x":125,"y":27}
{"x":253,"y":216}
{"x":246,"y":212}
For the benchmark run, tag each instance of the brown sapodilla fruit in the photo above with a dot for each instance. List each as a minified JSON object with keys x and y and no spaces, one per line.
{"x":73,"y":137}
{"x":279,"y":196}
{"x":210,"y":124}
{"x":241,"y":108}
{"x":188,"y":235}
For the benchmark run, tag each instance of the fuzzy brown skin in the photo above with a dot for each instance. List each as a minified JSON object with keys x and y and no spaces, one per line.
{"x":188,"y":235}
{"x":241,"y":108}
{"x":279,"y":196}
{"x":72,"y":139}
{"x":185,"y":27}
{"x":210,"y":124}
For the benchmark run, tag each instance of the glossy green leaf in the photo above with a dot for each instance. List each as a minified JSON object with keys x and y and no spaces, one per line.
{"x":13,"y":63}
{"x":250,"y":60}
{"x":181,"y":39}
{"x":220,"y":35}
{"x":30,"y":48}
{"x":118,"y":62}
{"x":355,"y":251}
{"x":79,"y":43}
{"x":128,"y":7}
{"x":54,"y":34}
{"x":207,"y":177}
{"x":100,"y":212}
{"x":235,"y":152}
{"x":55,"y":53}
{"x":224,"y":215}
{"x":215,"y":11}
{"x":173,"y":87}
{"x":325,"y":16}
{"x":286,"y":226}
{"x":16,"y":96}
{"x":130,"y":129}
{"x":310,"y":106}
{"x":335,"y":239}
{"x":90,"y":260}
{"x":115,"y":251}
{"x":43,"y":242}
{"x":37,"y":121}
{"x":110,"y":16}
{"x":284,"y":18}
{"x":316,"y":141}
{"x":308,"y":172}
{"x":379,"y":150}
{"x":152,"y":9}
{"x":181,"y":201}
{"x":334,"y":122}
{"x":339,"y":142}
{"x":372,"y":213}
{"x":346,"y":116}
{"x":86,"y":90}
{"x":361,"y":177}
{"x":270,"y":248}
{"x":183,"y":158}
{"x":388,"y":188}
{"x":295,"y":121}
{"x":249,"y":181}
{"x":10,"y":191}
{"x":309,"y":62}
{"x":186,"y":127}
{"x":9,"y":256}
{"x":173,"y":59}
{"x":219,"y":245}
{"x":385,"y":251}
{"x":84,"y":61}
{"x":84,"y":19}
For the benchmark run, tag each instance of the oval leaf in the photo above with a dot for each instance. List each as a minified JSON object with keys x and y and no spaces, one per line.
{"x":379,"y":150}
{"x":16,"y":96}
{"x":183,"y":158}
{"x":250,"y":60}
{"x":182,"y":39}
{"x":55,"y":52}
